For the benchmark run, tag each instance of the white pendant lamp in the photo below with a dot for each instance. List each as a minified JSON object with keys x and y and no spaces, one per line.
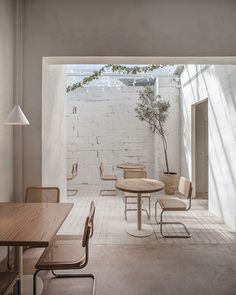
{"x":16,"y":116}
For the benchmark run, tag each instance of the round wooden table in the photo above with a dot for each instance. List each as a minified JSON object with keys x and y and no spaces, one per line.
{"x":130,"y":166}
{"x":139,"y":186}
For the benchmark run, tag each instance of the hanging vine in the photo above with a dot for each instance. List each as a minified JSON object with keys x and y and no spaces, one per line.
{"x":121,"y":69}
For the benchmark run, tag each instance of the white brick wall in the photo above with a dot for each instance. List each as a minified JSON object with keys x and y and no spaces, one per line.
{"x":105,"y":128}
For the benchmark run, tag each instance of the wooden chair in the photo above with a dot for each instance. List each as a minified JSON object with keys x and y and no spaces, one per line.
{"x":74,"y":173}
{"x":176,"y":204}
{"x":135,"y":173}
{"x":7,"y":282}
{"x":106,"y":178}
{"x":40,"y":194}
{"x":68,"y":252}
{"x":37,"y":194}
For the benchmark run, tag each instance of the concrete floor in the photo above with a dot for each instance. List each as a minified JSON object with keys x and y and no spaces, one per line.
{"x":205,"y":264}
{"x":149,"y":270}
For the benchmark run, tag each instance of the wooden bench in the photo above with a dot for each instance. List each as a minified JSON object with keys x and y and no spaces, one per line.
{"x":8,"y":281}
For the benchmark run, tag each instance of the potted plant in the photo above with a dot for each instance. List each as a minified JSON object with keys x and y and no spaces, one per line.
{"x":153,"y":110}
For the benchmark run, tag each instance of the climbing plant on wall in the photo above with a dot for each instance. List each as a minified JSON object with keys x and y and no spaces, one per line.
{"x":121,"y":69}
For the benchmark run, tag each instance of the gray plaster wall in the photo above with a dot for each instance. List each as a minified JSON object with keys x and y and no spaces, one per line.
{"x":201,"y":148}
{"x":54,"y":128}
{"x":114,"y":28}
{"x":6,"y":101}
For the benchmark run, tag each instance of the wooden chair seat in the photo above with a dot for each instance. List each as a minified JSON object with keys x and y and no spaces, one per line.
{"x":109,"y":177}
{"x":65,"y":250}
{"x":172,"y":204}
{"x":7,"y":281}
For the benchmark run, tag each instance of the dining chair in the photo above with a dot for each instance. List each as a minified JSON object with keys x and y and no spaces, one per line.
{"x":131,"y":198}
{"x":104,"y":177}
{"x":41,"y":194}
{"x":176,"y":204}
{"x":74,"y":173}
{"x":37,"y":194}
{"x":68,"y":252}
{"x":8,"y":280}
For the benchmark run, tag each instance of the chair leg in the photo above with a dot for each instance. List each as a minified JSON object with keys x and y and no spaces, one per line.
{"x":171,"y":236}
{"x":72,"y":192}
{"x":149,"y":208}
{"x":35,"y":281}
{"x":18,"y":287}
{"x":125,"y":208}
{"x":148,"y":212}
{"x":89,"y":275}
{"x":156,"y":209}
{"x":9,"y":265}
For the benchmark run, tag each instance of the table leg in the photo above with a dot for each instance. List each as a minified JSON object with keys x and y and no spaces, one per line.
{"x":138,"y":229}
{"x":139,"y":212}
{"x":26,"y":280}
{"x":19,"y":263}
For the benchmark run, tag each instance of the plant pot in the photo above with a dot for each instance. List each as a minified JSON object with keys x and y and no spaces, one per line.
{"x":170,"y":180}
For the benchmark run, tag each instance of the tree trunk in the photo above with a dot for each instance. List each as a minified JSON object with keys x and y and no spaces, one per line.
{"x":165,"y":153}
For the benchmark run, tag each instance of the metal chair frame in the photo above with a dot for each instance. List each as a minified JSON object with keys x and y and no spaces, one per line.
{"x":125,"y":199}
{"x":148,"y":212}
{"x":88,"y":233}
{"x":106,"y":178}
{"x":188,"y":234}
{"x":74,"y":173}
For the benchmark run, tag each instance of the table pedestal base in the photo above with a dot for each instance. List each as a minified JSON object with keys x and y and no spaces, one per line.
{"x":144,"y":232}
{"x":28,"y":285}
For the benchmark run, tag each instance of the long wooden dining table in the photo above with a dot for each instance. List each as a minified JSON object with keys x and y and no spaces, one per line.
{"x":30,"y":224}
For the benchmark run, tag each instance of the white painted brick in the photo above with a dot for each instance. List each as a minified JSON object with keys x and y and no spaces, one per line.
{"x":105,"y":128}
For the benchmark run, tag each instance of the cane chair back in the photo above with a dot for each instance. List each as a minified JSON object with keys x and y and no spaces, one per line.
{"x":185,"y":187}
{"x":135,"y":173}
{"x":91,"y":217}
{"x":101,"y":169}
{"x":42,"y":195}
{"x":74,"y":170}
{"x":86,"y":234}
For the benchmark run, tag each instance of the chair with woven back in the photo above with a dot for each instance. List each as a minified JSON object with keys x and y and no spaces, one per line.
{"x":68,"y":252}
{"x":40,"y":194}
{"x":9,"y":280}
{"x":105,"y":177}
{"x":176,"y":204}
{"x":74,"y":173}
{"x":131,"y":198}
{"x":37,"y":194}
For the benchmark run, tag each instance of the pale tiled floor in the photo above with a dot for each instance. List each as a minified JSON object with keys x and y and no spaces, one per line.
{"x":110,"y":225}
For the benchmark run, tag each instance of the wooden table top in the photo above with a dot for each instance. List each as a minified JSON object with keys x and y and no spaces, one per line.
{"x":31,"y":224}
{"x":130,"y":166}
{"x":139,"y":185}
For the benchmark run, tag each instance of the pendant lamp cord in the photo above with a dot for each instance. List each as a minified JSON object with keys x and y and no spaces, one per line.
{"x":17,"y":51}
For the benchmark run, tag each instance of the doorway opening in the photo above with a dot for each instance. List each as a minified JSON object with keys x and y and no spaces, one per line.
{"x":200,"y":148}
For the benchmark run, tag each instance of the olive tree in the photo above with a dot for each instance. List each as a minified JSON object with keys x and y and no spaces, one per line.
{"x":154,"y":110}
